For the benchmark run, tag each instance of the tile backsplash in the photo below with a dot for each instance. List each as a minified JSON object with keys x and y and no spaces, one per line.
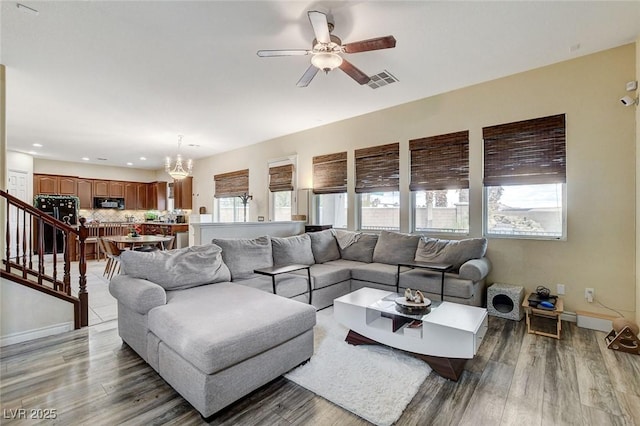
{"x":113,"y":215}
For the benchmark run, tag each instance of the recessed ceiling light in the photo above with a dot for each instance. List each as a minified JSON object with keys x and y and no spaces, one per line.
{"x":143,"y":158}
{"x":37,"y":145}
{"x":129,"y":164}
{"x":33,"y":153}
{"x":85,"y":158}
{"x":27,"y":9}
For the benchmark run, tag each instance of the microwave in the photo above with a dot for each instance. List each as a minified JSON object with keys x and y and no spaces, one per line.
{"x":108,"y":203}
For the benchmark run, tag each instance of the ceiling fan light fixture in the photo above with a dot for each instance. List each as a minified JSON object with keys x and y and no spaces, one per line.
{"x":326,"y":61}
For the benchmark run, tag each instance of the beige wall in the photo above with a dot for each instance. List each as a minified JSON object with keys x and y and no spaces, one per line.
{"x":97,"y":172}
{"x":600,"y":249}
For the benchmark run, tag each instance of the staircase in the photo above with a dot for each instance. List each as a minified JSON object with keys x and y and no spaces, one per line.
{"x":25,"y":262}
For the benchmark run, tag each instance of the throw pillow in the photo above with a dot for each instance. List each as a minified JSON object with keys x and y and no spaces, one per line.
{"x":361,"y":249}
{"x":393,"y":248}
{"x":292,"y":250}
{"x":455,"y":252}
{"x":243,"y":255}
{"x":177,"y":269}
{"x":324,"y":246}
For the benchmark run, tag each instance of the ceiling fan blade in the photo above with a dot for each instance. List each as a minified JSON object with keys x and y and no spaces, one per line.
{"x":307,"y":76}
{"x":320,"y":26}
{"x":354,"y":72}
{"x":371,"y":44}
{"x":293,"y":52}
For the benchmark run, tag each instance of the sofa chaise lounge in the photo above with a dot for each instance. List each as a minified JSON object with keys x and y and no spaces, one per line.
{"x":214,"y":330}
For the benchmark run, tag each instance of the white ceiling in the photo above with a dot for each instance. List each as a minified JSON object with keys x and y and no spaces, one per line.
{"x":120,"y":80}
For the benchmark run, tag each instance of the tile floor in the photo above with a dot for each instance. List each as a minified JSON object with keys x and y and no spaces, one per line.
{"x":102,"y":306}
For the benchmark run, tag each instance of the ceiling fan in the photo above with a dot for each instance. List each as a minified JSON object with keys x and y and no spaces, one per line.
{"x":327,"y":49}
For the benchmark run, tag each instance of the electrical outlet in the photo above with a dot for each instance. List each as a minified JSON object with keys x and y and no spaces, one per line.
{"x":560,"y":289}
{"x":589,"y":294}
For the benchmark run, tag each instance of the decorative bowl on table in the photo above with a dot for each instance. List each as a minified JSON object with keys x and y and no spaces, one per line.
{"x":413,"y":303}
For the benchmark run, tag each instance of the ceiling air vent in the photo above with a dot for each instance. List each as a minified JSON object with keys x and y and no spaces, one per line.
{"x":381,"y":79}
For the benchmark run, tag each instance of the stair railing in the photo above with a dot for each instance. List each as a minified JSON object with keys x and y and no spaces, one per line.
{"x":26,"y":263}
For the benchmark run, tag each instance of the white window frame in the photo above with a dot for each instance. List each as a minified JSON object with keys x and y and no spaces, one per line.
{"x":216,"y":210}
{"x":316,"y":218}
{"x":283,"y":161}
{"x":436,"y":233}
{"x":485,"y":220}
{"x":359,"y":212}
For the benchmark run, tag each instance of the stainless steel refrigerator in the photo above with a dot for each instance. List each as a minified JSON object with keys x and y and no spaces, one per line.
{"x":63,"y":208}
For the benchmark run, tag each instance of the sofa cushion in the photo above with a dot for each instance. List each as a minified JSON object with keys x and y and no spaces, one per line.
{"x":292,"y":250}
{"x":287,"y":285}
{"x":324,"y":275}
{"x":324,"y":246}
{"x":455,"y":252}
{"x":215,"y":327}
{"x":360,"y":250}
{"x":177,"y":269}
{"x":380,"y":273}
{"x":430,"y":281}
{"x":394,"y":248}
{"x":243,"y":255}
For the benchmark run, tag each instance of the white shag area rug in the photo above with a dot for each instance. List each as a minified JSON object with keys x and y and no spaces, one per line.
{"x":374,"y":382}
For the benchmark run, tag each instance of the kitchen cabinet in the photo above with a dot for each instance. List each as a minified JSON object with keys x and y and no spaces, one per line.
{"x":108,"y":188}
{"x":183,"y":193}
{"x":85,"y":193}
{"x":137,"y":195}
{"x":163,"y":228}
{"x":141,"y":197}
{"x":101,"y":188}
{"x":116,"y":189}
{"x":54,"y":185}
{"x":130,"y":195}
{"x":67,"y":185}
{"x":157,"y":196}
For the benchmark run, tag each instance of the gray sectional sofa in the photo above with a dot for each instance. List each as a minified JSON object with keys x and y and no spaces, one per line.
{"x":344,"y":261}
{"x":212,"y":328}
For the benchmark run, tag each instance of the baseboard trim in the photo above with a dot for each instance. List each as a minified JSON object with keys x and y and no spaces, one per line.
{"x":25,"y":336}
{"x":569,"y":316}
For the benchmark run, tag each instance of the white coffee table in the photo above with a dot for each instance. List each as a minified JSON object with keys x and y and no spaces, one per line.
{"x":450,"y":334}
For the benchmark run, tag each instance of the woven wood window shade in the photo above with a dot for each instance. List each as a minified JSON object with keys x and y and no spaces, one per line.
{"x":440,"y":162}
{"x":281,"y":178}
{"x":378,"y":168}
{"x":231,"y":184}
{"x":526,"y":152}
{"x":330,"y":173}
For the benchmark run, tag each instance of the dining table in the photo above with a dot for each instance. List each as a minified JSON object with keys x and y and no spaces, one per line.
{"x":132,"y":242}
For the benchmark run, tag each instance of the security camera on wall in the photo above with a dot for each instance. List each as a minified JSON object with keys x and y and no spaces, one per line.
{"x":628,"y":101}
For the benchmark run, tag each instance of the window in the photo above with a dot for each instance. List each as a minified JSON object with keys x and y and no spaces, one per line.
{"x":330,"y":189}
{"x":228,"y":189}
{"x":378,"y":187}
{"x":230,"y":209}
{"x":525,"y":179}
{"x":440,"y":183}
{"x":281,"y":205}
{"x":281,"y":187}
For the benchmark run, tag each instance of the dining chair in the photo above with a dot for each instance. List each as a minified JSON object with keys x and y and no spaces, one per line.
{"x":109,"y":261}
{"x":92,"y":238}
{"x":113,"y":252}
{"x":168,"y":245}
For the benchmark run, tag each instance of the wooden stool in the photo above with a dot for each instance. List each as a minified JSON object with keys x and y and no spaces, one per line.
{"x":624,"y":337}
{"x":544,"y":313}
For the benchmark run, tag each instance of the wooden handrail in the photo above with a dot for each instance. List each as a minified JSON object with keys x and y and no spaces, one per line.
{"x":21,"y":268}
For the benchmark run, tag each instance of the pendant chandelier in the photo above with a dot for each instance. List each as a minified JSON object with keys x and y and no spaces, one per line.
{"x":178,"y":172}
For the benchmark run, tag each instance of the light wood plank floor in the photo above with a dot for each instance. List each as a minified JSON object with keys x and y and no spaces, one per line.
{"x":90,"y":377}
